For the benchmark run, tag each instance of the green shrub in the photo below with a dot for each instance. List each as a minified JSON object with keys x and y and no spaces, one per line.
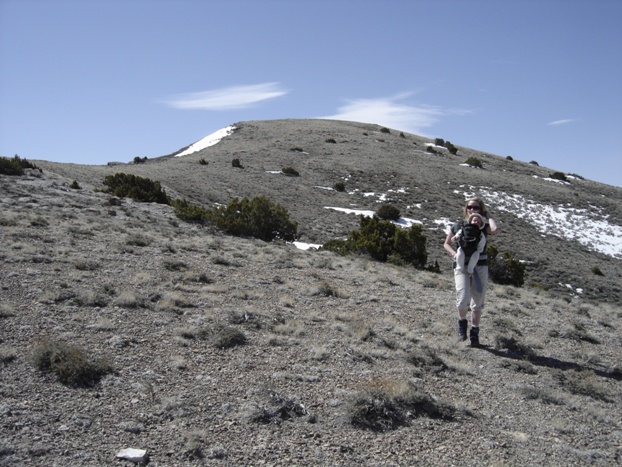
{"x":70,"y":364}
{"x":236,"y":163}
{"x":474,"y":162}
{"x":331,"y":140}
{"x":10,"y":167}
{"x":226,"y":337}
{"x":431,"y":150}
{"x":340,"y":186}
{"x":409,"y":246}
{"x":451,"y":148}
{"x":384,"y":241}
{"x":203,"y":162}
{"x":140,"y":160}
{"x":596,"y":270}
{"x":374,"y":237}
{"x":259,"y":218}
{"x":189,"y":212}
{"x":15,"y":166}
{"x":137,"y":188}
{"x":75,"y":186}
{"x":439,"y":142}
{"x":388,"y":212}
{"x":505,"y":269}
{"x":337,"y":246}
{"x":385,"y":130}
{"x":534,"y":163}
{"x":558,"y":176}
{"x":296,"y":149}
{"x":510,"y":158}
{"x":402,"y":135}
{"x":290,"y":171}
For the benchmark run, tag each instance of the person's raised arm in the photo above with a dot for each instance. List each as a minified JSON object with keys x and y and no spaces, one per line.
{"x":493,"y":228}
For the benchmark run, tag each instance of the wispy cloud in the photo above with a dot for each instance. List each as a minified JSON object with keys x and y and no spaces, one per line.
{"x":389,"y":112}
{"x":234,"y":97}
{"x":561,"y":122}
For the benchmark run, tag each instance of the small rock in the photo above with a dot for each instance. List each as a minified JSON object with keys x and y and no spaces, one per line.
{"x":133,"y":455}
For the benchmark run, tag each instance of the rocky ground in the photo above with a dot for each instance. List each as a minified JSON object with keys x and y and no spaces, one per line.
{"x":216,"y":350}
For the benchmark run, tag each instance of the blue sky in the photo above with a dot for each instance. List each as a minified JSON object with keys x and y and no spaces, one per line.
{"x":93,"y":81}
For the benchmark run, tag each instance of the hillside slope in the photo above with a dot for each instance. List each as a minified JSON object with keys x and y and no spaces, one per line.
{"x":225,"y":351}
{"x":562,"y":231}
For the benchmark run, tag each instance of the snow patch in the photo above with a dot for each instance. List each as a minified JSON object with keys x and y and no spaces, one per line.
{"x":208,"y":141}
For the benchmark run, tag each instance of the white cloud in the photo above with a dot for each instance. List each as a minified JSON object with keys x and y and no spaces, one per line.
{"x":561,"y":122}
{"x":389,"y":112}
{"x":234,"y":97}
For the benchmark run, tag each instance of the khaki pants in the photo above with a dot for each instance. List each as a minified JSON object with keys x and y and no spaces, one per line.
{"x":471,"y":290}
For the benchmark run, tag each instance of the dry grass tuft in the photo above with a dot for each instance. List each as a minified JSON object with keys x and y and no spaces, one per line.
{"x":577,"y":332}
{"x":7,"y":355}
{"x":86,"y":265}
{"x":290,"y":328}
{"x":583,"y":382}
{"x":71,"y":365}
{"x":545,"y":395}
{"x":219,"y":336}
{"x":427,"y":359}
{"x":327,"y":289}
{"x":514,"y":345}
{"x":6,"y":311}
{"x":360,"y":330}
{"x":274,"y":407}
{"x":387,"y":404}
{"x":127,"y":299}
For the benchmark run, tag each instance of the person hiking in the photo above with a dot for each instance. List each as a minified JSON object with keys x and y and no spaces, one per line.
{"x":471,"y":288}
{"x":471,"y":243}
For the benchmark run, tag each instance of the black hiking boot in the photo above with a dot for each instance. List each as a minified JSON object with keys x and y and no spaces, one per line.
{"x":474,"y":335}
{"x":462,"y":329}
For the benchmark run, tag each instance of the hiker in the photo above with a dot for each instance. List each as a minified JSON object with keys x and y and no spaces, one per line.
{"x":471,"y":243}
{"x":471,"y":288}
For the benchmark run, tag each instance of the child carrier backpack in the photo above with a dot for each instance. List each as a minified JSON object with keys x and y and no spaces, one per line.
{"x":469,"y":238}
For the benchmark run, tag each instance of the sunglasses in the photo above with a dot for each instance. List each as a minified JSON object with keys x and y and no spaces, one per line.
{"x":474,"y":207}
